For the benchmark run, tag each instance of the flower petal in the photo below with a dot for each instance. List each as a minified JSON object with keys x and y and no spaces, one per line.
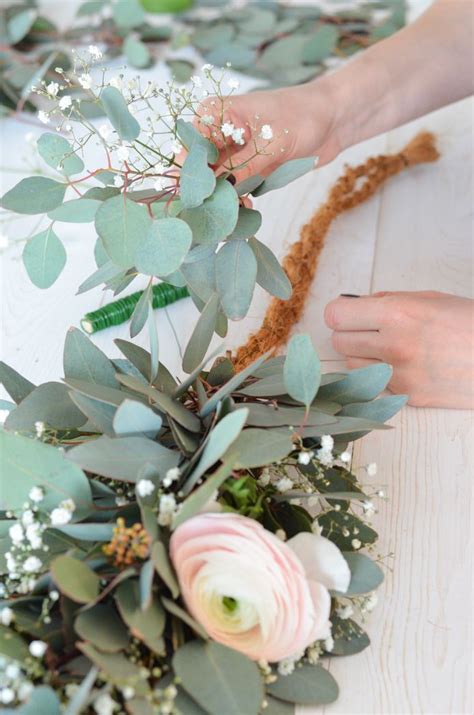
{"x":322,"y":560}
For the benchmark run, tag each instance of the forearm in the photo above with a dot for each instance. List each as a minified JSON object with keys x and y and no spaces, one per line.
{"x":423,"y":67}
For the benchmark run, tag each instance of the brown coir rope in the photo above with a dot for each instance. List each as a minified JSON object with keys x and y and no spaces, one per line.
{"x":355,"y":186}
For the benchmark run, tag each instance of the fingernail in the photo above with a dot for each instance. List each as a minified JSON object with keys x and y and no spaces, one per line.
{"x":316,"y":161}
{"x":349,"y":295}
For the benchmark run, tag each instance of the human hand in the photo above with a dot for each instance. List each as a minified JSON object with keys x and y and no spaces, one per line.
{"x":300,"y":119}
{"x":426,"y":336}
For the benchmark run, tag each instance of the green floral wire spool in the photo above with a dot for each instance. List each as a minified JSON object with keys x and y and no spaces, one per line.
{"x":121,"y":310}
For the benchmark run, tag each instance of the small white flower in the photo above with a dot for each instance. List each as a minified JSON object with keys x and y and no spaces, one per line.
{"x":280,"y":534}
{"x":327,"y":442}
{"x":16,"y":534}
{"x":371,"y":469}
{"x":43,"y":117}
{"x":60,"y":516}
{"x":207,"y":68}
{"x":118,"y":181}
{"x":105,"y":131}
{"x":68,"y":504}
{"x":7,"y":695}
{"x":145,"y":487}
{"x":85,"y":80}
{"x":40,"y":428}
{"x":305,"y":457}
{"x":233,"y":83}
{"x":316,"y":527}
{"x":166,"y":510}
{"x":54,"y":595}
{"x":121,"y":501}
{"x":27,"y":517}
{"x":172,"y":475}
{"x":59,"y":70}
{"x":284,"y":484}
{"x":94,"y":52}
{"x":207,"y":120}
{"x":128,"y":692}
{"x":266,"y":132}
{"x":32,"y":564}
{"x":345,"y":612}
{"x":33,"y":535}
{"x":356,"y":544}
{"x":159,"y":184}
{"x":52,"y":89}
{"x":329,"y":644}
{"x":24,"y":691}
{"x":65,"y":102}
{"x":12,"y":671}
{"x":123,"y":153}
{"x":345,"y":457}
{"x":371,"y":601}
{"x":197,"y":81}
{"x":116,"y":82}
{"x":238,"y":136}
{"x":104,"y":704}
{"x":7,"y":615}
{"x":227,"y":129}
{"x":264,"y":478}
{"x":286,"y":667}
{"x":36,"y":494}
{"x":38,"y":648}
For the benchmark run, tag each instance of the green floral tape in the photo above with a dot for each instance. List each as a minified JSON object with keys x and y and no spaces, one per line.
{"x":121,"y":310}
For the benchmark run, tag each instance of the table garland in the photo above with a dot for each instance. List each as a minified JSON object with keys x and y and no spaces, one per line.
{"x":178,"y":546}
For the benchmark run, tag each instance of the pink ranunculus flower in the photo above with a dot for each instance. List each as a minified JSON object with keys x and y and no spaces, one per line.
{"x":253,"y":592}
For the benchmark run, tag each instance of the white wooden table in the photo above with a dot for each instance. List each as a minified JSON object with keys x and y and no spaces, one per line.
{"x":415,"y":234}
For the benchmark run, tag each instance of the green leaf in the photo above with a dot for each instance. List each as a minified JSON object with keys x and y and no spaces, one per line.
{"x":302,"y":370}
{"x":247,"y":186}
{"x":122,"y":225}
{"x":83,"y":360}
{"x":163,"y":567}
{"x":269,"y":416}
{"x":173,"y":608}
{"x":270,"y":275}
{"x":321,"y":44}
{"x":197,"y":180}
{"x":134,"y":418}
{"x":259,"y":447}
{"x":236,"y":273}
{"x":20,"y":24}
{"x":42,"y":701}
{"x":307,"y":685}
{"x":116,"y":110}
{"x":203,"y":494}
{"x":231,"y":386}
{"x":75,"y":211}
{"x":164,"y":248}
{"x":91,"y":7}
{"x":34,"y":195}
{"x":59,"y":154}
{"x":379,"y":410}
{"x":349,"y":638}
{"x":342,"y":528}
{"x":102,"y":626}
{"x":30,"y":463}
{"x":366,"y":575}
{"x":220,"y":679}
{"x":208,"y":37}
{"x":88,"y":531}
{"x":136,"y":52}
{"x":123,"y":457}
{"x":360,"y":385}
{"x":104,"y":274}
{"x":200,"y":275}
{"x":258,"y":20}
{"x":49,"y":403}
{"x":217,"y":217}
{"x":75,"y":579}
{"x":202,"y":334}
{"x":285,"y":174}
{"x":17,"y":386}
{"x":80,"y":699}
{"x":146,"y":624}
{"x":141,"y":310}
{"x":236,"y":53}
{"x":181,"y":70}
{"x":190,"y":136}
{"x":128,"y":13}
{"x":44,"y":258}
{"x":108,"y":395}
{"x":12,"y":645}
{"x":118,"y":667}
{"x":277,"y":707}
{"x":220,"y":439}
{"x":248,"y":223}
{"x":283,"y":53}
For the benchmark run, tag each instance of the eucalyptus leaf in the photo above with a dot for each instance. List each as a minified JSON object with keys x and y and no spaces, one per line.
{"x":34,"y":195}
{"x":197,"y":180}
{"x":116,"y":108}
{"x":366,"y":575}
{"x":236,"y":273}
{"x":123,"y":457}
{"x":12,"y":644}
{"x":302,"y":370}
{"x":207,"y":38}
{"x":80,"y":698}
{"x":259,"y":447}
{"x":321,"y":44}
{"x":145,"y":624}
{"x":83,"y":360}
{"x":200,"y":275}
{"x":122,"y":225}
{"x":119,"y":668}
{"x":307,"y":685}
{"x":349,"y":638}
{"x":379,"y":410}
{"x":190,"y":136}
{"x":164,"y":248}
{"x":108,"y":395}
{"x":101,"y":626}
{"x":137,"y":53}
{"x":75,"y":211}
{"x":59,"y":154}
{"x":44,"y":257}
{"x":20,"y":24}
{"x":181,"y":70}
{"x":88,"y":531}
{"x":75,"y":579}
{"x":283,"y":53}
{"x":248,"y":223}
{"x":42,"y":701}
{"x":49,"y":403}
{"x":140,"y":312}
{"x":220,"y":679}
{"x":30,"y":463}
{"x":134,"y":418}
{"x":173,"y":608}
{"x":247,"y":186}
{"x":360,"y":385}
{"x":202,"y":335}
{"x":343,"y":528}
{"x":239,"y":55}
{"x":17,"y":386}
{"x":217,"y":217}
{"x":128,"y":13}
{"x":270,"y":275}
{"x":161,"y":562}
{"x":285,"y":174}
{"x":104,"y":274}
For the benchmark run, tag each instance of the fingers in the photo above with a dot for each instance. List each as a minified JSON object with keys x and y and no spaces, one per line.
{"x":364,"y":313}
{"x":362,"y":344}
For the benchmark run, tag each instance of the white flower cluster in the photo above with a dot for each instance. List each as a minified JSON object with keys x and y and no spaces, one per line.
{"x":287,"y":665}
{"x":167,"y":509}
{"x":14,"y":684}
{"x":235,"y":133}
{"x":324,"y":454}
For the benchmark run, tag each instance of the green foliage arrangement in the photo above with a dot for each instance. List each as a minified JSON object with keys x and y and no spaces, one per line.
{"x":282,"y":44}
{"x":103,"y":473}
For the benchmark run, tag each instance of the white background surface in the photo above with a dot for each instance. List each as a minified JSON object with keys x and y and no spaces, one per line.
{"x":415,"y":234}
